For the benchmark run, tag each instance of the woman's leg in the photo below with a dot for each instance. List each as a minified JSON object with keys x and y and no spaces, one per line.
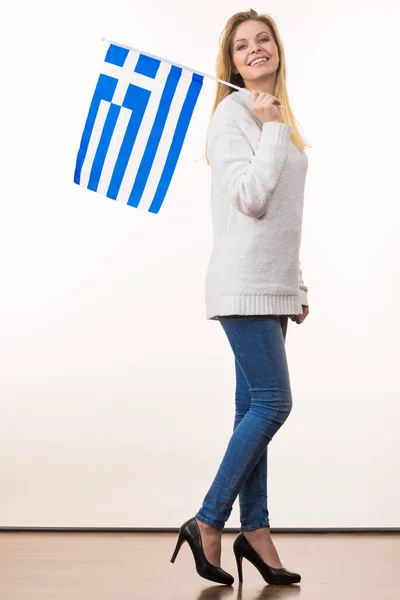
{"x":253,"y":494}
{"x":258,"y":345}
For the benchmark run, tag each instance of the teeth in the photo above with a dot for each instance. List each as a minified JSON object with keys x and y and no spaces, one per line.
{"x":257,"y":60}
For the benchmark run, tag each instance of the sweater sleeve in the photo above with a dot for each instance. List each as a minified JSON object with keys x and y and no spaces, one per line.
{"x":249,"y":178}
{"x":303,"y":288}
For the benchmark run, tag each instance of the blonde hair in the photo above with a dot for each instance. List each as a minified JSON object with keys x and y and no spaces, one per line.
{"x":225,"y":66}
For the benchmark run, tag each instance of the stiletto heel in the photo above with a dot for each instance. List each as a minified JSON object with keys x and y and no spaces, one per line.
{"x":243,"y":549}
{"x":239,"y":566}
{"x":180,"y":541}
{"x":189,"y":532}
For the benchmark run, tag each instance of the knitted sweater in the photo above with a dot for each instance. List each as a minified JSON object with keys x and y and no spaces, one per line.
{"x":257,"y":196}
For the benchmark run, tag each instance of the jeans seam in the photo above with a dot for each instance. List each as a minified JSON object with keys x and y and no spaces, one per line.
{"x":262,"y":499}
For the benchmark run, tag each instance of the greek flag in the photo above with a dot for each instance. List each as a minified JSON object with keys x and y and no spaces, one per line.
{"x":136,"y":126}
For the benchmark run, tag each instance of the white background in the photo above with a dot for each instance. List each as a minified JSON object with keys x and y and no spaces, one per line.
{"x":116,"y":394}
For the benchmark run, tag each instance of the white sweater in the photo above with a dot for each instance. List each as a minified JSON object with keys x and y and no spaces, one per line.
{"x":257,"y":197}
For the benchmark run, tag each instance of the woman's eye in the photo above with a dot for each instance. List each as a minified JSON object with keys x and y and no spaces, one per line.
{"x":262,"y":39}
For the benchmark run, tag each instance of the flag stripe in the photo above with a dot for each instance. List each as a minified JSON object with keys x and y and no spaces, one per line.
{"x":177,"y":141}
{"x":94,"y":140}
{"x":155,"y":136}
{"x":113,"y":150}
{"x":143,"y":135}
{"x":128,"y":143}
{"x":104,"y":91}
{"x":165,"y":142}
{"x":102,"y":148}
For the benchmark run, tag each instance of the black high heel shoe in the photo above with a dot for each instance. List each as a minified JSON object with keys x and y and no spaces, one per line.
{"x":190,"y":532}
{"x":243,"y":548}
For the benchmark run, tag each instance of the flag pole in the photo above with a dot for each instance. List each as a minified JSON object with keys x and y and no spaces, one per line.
{"x":169,"y":62}
{"x":236,"y":87}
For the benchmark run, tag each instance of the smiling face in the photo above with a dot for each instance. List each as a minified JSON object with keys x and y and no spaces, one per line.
{"x":252,"y":40}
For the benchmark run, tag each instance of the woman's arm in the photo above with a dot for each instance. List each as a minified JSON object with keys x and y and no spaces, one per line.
{"x":249,"y":178}
{"x":303,"y":288}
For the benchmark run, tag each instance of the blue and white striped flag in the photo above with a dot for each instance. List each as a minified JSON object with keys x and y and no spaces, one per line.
{"x":136,"y":126}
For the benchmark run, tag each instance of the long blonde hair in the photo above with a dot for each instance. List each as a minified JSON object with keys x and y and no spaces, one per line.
{"x":225,"y":65}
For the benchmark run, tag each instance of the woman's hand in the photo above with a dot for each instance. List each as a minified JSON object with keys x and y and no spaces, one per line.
{"x":300,"y":318}
{"x":264,"y":105}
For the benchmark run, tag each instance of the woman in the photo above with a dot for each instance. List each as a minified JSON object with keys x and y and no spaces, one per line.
{"x":253,"y":283}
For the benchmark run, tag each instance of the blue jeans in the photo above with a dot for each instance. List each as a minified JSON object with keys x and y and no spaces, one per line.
{"x":263,"y":401}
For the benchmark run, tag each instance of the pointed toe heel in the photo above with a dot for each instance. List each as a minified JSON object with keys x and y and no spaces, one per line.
{"x":189,"y":532}
{"x":243,"y":549}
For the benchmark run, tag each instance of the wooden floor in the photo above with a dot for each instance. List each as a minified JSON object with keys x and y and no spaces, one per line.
{"x":130,"y":566}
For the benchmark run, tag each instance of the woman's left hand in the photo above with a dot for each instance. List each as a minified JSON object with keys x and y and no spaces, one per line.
{"x":300,"y":318}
